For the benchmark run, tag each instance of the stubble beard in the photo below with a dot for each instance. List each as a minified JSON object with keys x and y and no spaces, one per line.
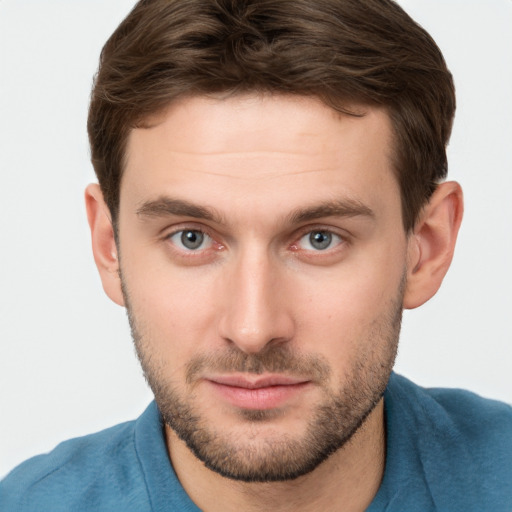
{"x":277,"y":458}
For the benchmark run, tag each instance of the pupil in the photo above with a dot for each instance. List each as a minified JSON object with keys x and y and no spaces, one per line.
{"x":192,"y":239}
{"x":320,"y":239}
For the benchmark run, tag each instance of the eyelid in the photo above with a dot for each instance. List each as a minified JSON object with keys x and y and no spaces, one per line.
{"x":192,"y":254}
{"x":207,"y":240}
{"x":335,"y":238}
{"x":217,"y":244}
{"x":185,"y":226}
{"x":343,"y":236}
{"x":305,"y":230}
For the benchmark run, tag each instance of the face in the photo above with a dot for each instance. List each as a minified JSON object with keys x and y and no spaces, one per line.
{"x":263,"y":258}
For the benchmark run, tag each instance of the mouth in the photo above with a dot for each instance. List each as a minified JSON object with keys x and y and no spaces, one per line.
{"x":259,"y":392}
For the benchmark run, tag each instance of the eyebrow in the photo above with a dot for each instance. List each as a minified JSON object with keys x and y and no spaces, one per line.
{"x":167,"y":206}
{"x":340,"y":208}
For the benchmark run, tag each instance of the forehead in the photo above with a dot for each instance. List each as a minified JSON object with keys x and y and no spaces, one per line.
{"x":258,"y":150}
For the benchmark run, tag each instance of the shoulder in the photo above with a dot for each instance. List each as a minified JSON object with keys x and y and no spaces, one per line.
{"x":474,"y":418}
{"x":464,"y":442}
{"x":482,"y":426}
{"x":478,"y":417}
{"x":76,"y":474}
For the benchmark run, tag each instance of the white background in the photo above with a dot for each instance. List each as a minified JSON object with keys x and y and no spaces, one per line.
{"x":67,"y":365}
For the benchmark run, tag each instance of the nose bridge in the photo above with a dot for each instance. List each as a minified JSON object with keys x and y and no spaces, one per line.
{"x":255,"y":313}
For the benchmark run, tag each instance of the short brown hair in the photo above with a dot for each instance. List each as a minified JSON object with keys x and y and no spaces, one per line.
{"x":341,"y":51}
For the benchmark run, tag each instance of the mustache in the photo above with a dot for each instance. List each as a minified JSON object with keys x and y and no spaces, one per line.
{"x":273,"y":359}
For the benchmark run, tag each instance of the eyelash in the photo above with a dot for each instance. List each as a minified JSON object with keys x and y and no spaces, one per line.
{"x":339,"y":239}
{"x":187,"y":252}
{"x":325,"y":232}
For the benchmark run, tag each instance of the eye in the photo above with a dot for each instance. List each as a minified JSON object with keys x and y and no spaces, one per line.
{"x":191,"y":240}
{"x":319,"y":240}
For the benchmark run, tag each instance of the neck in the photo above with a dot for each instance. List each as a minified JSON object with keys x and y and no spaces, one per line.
{"x":348,"y":480}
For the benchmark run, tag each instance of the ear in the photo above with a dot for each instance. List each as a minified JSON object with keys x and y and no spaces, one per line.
{"x":103,"y":242}
{"x":432,"y":244}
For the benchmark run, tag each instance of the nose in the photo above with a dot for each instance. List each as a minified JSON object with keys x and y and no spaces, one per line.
{"x":256,"y":309}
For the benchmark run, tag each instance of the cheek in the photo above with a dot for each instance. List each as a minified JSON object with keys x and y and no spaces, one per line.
{"x":343,"y":309}
{"x":173,"y":308}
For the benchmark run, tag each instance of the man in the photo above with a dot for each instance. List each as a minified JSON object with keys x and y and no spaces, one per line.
{"x":270,"y":198}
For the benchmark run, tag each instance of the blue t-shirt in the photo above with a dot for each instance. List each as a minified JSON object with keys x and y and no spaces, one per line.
{"x":447,"y":450}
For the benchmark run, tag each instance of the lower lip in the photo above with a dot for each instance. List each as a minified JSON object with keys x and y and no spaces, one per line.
{"x":265,"y":398}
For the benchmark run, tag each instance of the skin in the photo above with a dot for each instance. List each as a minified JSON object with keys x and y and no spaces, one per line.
{"x":264,"y":168}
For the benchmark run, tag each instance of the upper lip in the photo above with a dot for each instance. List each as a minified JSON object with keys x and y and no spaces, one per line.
{"x":256,"y":381}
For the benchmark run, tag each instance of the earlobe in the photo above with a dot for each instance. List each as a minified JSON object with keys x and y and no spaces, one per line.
{"x":103,"y":243}
{"x":432,"y":244}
